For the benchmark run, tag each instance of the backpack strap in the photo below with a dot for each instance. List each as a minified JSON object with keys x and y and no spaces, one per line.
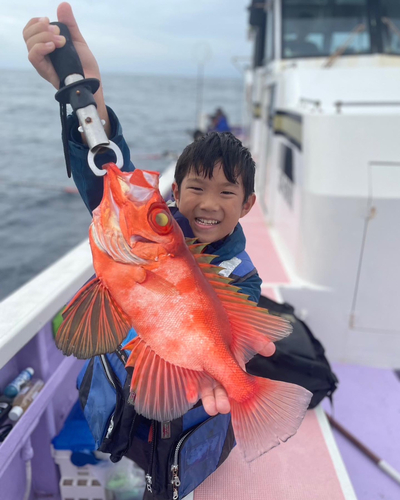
{"x":119,"y":351}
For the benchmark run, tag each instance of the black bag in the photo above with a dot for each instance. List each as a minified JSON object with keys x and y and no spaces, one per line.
{"x":299,"y":358}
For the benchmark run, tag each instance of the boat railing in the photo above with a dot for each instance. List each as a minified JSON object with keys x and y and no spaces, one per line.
{"x":340,"y":104}
{"x":27,"y":339}
{"x":26,"y":311}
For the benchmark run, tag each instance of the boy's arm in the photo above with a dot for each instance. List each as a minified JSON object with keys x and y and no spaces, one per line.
{"x":90,"y":186}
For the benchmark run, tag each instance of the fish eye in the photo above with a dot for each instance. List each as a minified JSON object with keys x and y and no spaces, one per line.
{"x":162,"y":219}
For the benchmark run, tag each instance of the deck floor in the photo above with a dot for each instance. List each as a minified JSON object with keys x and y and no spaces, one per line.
{"x":367,"y":401}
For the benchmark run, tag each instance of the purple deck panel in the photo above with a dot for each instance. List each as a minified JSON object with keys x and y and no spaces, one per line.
{"x":42,"y":421}
{"x":367,"y":404}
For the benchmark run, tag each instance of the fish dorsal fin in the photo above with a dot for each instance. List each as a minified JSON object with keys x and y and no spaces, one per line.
{"x":203,"y":258}
{"x":252,"y":326}
{"x":197,"y":247}
{"x":160,"y":390}
{"x":190,"y":241}
{"x":93,"y":323}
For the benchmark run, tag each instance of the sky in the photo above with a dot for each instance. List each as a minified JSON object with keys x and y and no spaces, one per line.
{"x":141,"y":36}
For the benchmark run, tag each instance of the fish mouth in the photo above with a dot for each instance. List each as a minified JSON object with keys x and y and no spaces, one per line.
{"x":207,"y":222}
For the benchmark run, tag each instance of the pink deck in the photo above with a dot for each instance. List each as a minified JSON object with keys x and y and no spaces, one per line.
{"x":261,"y":248}
{"x":302,"y":468}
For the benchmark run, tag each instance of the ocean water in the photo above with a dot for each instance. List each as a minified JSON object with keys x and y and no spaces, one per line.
{"x":40,"y":220}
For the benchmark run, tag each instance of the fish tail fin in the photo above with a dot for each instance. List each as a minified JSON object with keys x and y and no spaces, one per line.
{"x":272,"y":414}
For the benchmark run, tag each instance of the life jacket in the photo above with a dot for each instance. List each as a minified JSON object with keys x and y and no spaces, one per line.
{"x":176,"y":456}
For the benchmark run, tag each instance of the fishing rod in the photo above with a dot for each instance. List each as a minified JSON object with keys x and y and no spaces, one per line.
{"x":382,"y":464}
{"x":78,"y":91}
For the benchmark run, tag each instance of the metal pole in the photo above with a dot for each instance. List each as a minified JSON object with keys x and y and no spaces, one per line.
{"x":199,"y":93}
{"x":382,"y":464}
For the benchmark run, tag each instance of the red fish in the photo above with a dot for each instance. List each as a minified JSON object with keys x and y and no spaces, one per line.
{"x":194,"y":329}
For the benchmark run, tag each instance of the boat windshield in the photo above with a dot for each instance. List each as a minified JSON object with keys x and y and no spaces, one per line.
{"x":316,"y":28}
{"x":390,"y":26}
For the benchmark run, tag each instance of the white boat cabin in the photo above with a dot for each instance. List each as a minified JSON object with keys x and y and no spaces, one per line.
{"x":323,"y":123}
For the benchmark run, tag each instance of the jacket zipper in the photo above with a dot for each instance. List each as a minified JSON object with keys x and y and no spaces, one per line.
{"x":175,"y":480}
{"x":148,"y":476}
{"x":110,"y":425}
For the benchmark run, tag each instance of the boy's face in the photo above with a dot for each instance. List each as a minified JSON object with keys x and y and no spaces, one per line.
{"x":212,"y":206}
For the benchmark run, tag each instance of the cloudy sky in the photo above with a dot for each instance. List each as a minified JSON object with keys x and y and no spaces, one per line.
{"x":141,"y":36}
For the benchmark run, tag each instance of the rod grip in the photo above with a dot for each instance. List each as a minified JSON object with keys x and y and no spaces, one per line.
{"x":65,"y":59}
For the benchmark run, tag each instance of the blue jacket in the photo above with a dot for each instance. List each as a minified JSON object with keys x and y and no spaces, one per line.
{"x":230,"y":250}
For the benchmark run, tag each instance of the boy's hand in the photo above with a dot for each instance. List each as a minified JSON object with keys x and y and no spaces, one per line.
{"x":216,"y":400}
{"x":42,"y":38}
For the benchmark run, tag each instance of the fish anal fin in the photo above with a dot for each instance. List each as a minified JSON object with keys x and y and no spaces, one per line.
{"x":162,"y":391}
{"x":93,"y":323}
{"x":272,"y":414}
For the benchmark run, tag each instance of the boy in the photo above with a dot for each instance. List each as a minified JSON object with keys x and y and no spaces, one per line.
{"x":211,"y":195}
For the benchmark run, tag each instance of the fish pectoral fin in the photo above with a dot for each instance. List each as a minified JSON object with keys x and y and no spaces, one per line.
{"x":252,"y":327}
{"x":160,"y":390}
{"x":93,"y":323}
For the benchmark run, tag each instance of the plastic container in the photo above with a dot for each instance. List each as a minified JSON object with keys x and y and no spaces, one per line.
{"x":24,"y":399}
{"x":125,"y":481}
{"x":15,"y":386}
{"x":77,"y":482}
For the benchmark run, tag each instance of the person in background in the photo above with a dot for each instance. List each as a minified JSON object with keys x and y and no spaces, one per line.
{"x":219,"y":122}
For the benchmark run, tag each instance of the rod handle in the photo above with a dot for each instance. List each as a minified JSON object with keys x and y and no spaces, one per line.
{"x":65,"y":59}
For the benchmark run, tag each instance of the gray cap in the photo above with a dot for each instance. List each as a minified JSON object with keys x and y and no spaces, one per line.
{"x":15,"y":413}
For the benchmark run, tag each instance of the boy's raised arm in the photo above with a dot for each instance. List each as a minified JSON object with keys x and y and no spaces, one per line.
{"x":42,"y":38}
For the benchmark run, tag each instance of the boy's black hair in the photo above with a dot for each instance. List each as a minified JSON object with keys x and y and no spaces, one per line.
{"x":218,"y":147}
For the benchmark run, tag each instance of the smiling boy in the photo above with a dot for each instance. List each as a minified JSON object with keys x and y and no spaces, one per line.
{"x":214,"y":176}
{"x":213,"y":189}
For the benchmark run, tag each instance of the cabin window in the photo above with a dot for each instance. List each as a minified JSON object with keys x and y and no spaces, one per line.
{"x":390,"y":26}
{"x":317,"y":28}
{"x":257,"y":22}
